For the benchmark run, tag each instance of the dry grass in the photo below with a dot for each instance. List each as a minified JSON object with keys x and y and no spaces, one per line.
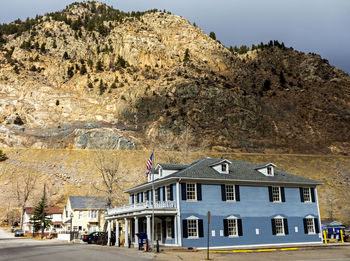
{"x":72,"y":172}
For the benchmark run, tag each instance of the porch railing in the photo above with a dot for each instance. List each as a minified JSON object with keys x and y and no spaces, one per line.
{"x":140,"y":207}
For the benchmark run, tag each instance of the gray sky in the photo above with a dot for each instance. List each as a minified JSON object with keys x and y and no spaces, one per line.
{"x":320,"y":26}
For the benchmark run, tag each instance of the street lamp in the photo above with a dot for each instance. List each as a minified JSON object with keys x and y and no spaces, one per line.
{"x":71,"y":226}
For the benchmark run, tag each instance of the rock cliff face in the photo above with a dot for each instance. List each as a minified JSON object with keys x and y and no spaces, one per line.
{"x":91,"y":77}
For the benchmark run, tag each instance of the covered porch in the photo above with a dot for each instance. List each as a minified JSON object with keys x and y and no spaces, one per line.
{"x":137,"y":218}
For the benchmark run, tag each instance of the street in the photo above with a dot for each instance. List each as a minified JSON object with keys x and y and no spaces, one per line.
{"x":12,"y":248}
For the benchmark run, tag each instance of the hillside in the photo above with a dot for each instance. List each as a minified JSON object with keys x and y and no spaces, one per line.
{"x":91,"y":75}
{"x":73,"y":172}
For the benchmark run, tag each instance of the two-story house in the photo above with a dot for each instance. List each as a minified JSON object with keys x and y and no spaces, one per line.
{"x":84,"y":213}
{"x":53,"y":213}
{"x":250,"y":205}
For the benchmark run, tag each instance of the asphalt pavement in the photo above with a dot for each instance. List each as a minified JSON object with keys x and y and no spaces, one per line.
{"x":12,"y":248}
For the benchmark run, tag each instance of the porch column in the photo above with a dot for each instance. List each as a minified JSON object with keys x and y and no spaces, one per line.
{"x":175,"y":230}
{"x":109,"y":233}
{"x":117,"y":232}
{"x":136,"y":231}
{"x":126,"y":232}
{"x":148,"y":228}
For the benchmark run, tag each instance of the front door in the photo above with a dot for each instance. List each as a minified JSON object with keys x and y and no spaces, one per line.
{"x":158,"y":231}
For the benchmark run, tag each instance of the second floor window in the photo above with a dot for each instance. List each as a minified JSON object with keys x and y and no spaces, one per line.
{"x":168,"y":192}
{"x":230,"y":192}
{"x":93,"y":213}
{"x":307,"y":194}
{"x":276,"y":195}
{"x":80,"y":214}
{"x":191,"y":193}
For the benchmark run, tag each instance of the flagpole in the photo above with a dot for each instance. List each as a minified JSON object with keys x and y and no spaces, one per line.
{"x":153,"y":199}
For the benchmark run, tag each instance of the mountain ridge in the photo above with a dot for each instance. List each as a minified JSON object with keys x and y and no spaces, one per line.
{"x":90,"y":75}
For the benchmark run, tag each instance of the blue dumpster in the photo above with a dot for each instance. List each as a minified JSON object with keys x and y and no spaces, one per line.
{"x":142,"y":239}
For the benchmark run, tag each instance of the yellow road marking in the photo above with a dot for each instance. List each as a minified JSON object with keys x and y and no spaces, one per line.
{"x":218,"y":251}
{"x":266,"y":250}
{"x":242,"y":251}
{"x":284,"y":249}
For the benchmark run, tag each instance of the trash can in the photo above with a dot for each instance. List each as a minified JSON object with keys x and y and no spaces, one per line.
{"x":142,"y":239}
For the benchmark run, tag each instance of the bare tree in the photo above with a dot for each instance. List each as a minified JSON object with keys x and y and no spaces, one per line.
{"x":24,"y":184}
{"x":111,"y":178}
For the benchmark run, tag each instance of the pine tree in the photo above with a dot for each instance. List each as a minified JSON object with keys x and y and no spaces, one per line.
{"x":187,"y":56}
{"x":212,"y":35}
{"x":39,"y":212}
{"x":3,"y":156}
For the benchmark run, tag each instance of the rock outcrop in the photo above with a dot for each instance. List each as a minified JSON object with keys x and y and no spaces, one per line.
{"x":90,"y":74}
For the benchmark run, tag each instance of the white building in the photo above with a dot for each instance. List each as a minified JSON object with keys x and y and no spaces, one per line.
{"x":54,"y":213}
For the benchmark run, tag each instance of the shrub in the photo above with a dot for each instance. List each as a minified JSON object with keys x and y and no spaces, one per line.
{"x":65,"y":56}
{"x":212,"y":35}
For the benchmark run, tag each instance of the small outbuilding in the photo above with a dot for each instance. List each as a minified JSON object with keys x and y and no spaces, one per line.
{"x":333,"y":230}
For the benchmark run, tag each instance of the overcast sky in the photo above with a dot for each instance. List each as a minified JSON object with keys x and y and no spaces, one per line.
{"x":320,"y":26}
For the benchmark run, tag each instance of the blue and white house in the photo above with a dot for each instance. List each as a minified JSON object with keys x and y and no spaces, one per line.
{"x":250,"y":205}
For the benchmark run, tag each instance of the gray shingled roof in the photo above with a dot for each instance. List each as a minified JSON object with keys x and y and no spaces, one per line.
{"x":242,"y":171}
{"x":169,"y":166}
{"x":86,"y":202}
{"x":238,"y":171}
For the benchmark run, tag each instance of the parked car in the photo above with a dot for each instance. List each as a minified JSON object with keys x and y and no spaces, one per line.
{"x":19,"y":233}
{"x":92,"y":237}
{"x":103,"y":239}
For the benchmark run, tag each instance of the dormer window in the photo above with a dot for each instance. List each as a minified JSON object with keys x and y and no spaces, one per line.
{"x":224,"y":167}
{"x":269,"y":170}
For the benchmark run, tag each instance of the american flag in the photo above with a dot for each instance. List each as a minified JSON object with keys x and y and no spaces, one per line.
{"x":149,"y":164}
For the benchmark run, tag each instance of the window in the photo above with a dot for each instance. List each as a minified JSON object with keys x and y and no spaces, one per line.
{"x":276,"y":195}
{"x":192,"y":227}
{"x":232,"y":227}
{"x":157,"y":195}
{"x":230,"y":193}
{"x":80,"y":214}
{"x":93,"y":213}
{"x":224,"y":167}
{"x":144,"y":196}
{"x":168,"y":191}
{"x":310,"y":225}
{"x":136,"y":198}
{"x":279,"y":226}
{"x":269,"y":171}
{"x":306,"y":194}
{"x":191,"y":193}
{"x":169,"y":231}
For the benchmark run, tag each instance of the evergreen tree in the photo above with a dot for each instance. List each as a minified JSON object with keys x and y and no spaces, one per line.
{"x":39,"y":212}
{"x":83,"y":69}
{"x":65,"y":56}
{"x":187,"y":56}
{"x":3,"y":156}
{"x":212,"y":35}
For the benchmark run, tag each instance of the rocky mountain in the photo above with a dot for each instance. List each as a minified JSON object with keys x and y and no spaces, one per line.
{"x":91,"y":76}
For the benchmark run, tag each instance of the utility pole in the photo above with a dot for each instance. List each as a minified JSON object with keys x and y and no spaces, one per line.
{"x":208,"y":218}
{"x":43,"y":214}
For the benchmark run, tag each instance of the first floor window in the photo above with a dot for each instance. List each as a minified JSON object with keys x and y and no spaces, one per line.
{"x":232,"y":227}
{"x":230,"y":192}
{"x":191,"y":191}
{"x":169,"y":232}
{"x":279,"y":226}
{"x":310,"y":225}
{"x":192,"y":227}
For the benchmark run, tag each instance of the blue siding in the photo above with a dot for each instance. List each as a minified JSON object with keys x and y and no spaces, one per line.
{"x":255,"y":210}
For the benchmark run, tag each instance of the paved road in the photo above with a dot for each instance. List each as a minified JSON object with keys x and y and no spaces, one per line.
{"x":12,"y":248}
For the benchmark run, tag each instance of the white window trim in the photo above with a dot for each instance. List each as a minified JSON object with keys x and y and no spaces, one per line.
{"x":224,"y":172}
{"x":310,"y":199}
{"x":233,"y":218}
{"x":284,"y":232}
{"x":279,"y":194}
{"x":197,"y":229}
{"x":234,"y":193}
{"x":313,"y":223}
{"x":195,"y":192}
